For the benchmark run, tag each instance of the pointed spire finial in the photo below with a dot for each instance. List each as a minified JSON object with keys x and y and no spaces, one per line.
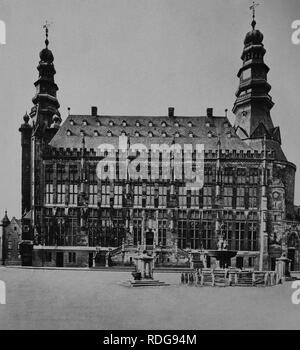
{"x":252,"y":7}
{"x":46,"y":27}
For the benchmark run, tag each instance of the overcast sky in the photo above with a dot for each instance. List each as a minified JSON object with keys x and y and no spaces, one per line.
{"x":139,"y":57}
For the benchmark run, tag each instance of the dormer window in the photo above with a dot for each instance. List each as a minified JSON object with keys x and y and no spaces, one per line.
{"x":98,"y":123}
{"x":82,"y":133}
{"x":177,"y":134}
{"x":137,"y":134}
{"x":123,"y":133}
{"x":191,"y":134}
{"x":96,"y":133}
{"x":109,"y":133}
{"x":150,"y":124}
{"x":163,"y":124}
{"x":229,"y":135}
{"x":209,"y":134}
{"x":190,"y":124}
{"x":137,"y":123}
{"x":84,"y":122}
{"x":69,"y":133}
{"x":207,"y":124}
{"x":124,"y":123}
{"x":72,"y":122}
{"x":164,"y":134}
{"x":176,"y":124}
{"x":150,"y":134}
{"x":110,"y":123}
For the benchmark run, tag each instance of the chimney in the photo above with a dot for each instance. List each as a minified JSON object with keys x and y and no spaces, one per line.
{"x":209,"y":112}
{"x":94,"y":111}
{"x":171,"y":111}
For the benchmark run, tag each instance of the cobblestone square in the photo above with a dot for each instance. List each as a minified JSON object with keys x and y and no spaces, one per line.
{"x":61,"y":299}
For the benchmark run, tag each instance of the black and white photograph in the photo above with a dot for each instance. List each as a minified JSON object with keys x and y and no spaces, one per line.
{"x":150,"y":154}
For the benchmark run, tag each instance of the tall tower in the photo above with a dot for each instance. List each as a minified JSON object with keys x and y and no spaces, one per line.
{"x":45,"y":111}
{"x":36,"y":132}
{"x":253,"y":102}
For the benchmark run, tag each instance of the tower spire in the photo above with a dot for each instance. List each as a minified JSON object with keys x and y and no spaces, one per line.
{"x":252,"y":8}
{"x":46,"y":27}
{"x":253,"y":103}
{"x":46,"y":106}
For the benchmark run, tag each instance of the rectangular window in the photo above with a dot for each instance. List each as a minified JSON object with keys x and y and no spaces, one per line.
{"x":182,"y":233}
{"x":240,"y":235}
{"x":207,"y":234}
{"x":253,"y":176}
{"x":93,"y":194}
{"x":195,"y":234}
{"x":228,"y":194}
{"x":208,"y":176}
{"x":227,"y":231}
{"x":137,"y":231}
{"x":49,"y":193}
{"x":49,"y":184}
{"x":228,"y":176}
{"x":252,"y":235}
{"x":162,"y":196}
{"x":118,"y":230}
{"x":241,"y":176}
{"x":118,"y":196}
{"x":182,"y":197}
{"x":253,"y":197}
{"x":162,"y":232}
{"x":61,"y":193}
{"x":138,"y":196}
{"x":207,"y":196}
{"x":73,"y":187}
{"x":194,"y":199}
{"x":105,"y":230}
{"x":240,"y":197}
{"x":150,"y":196}
{"x":105,"y":195}
{"x":61,"y":187}
{"x":72,"y":257}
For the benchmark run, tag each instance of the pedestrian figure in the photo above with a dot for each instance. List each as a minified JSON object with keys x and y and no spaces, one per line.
{"x":186,"y":278}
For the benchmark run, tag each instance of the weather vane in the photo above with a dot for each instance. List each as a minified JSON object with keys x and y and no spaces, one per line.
{"x":46,"y":27}
{"x":252,"y":7}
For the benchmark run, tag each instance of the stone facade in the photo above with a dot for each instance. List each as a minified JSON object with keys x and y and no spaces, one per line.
{"x":72,"y":216}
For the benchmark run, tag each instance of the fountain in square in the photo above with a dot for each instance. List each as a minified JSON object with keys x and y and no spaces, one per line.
{"x":143,"y":274}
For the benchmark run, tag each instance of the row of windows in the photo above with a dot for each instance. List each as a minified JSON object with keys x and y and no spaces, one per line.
{"x":150,"y":195}
{"x":106,"y":213}
{"x":228,"y":175}
{"x":193,"y":231}
{"x":197,"y":235}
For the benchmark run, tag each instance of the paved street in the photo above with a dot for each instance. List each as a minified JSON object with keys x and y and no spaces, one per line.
{"x":60,"y":299}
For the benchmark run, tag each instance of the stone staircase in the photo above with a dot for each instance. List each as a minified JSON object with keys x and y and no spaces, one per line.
{"x":144,"y":283}
{"x":220,"y":279}
{"x":207,"y":278}
{"x":243,"y":279}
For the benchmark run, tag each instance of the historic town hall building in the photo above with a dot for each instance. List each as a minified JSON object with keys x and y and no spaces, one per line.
{"x":73,"y":217}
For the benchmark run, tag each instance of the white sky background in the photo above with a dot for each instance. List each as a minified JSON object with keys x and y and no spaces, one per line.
{"x":139,"y":57}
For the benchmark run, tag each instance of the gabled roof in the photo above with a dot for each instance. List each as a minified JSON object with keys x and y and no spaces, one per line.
{"x":205,"y":130}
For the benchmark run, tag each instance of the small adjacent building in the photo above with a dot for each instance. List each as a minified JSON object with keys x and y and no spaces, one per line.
{"x":10,"y":240}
